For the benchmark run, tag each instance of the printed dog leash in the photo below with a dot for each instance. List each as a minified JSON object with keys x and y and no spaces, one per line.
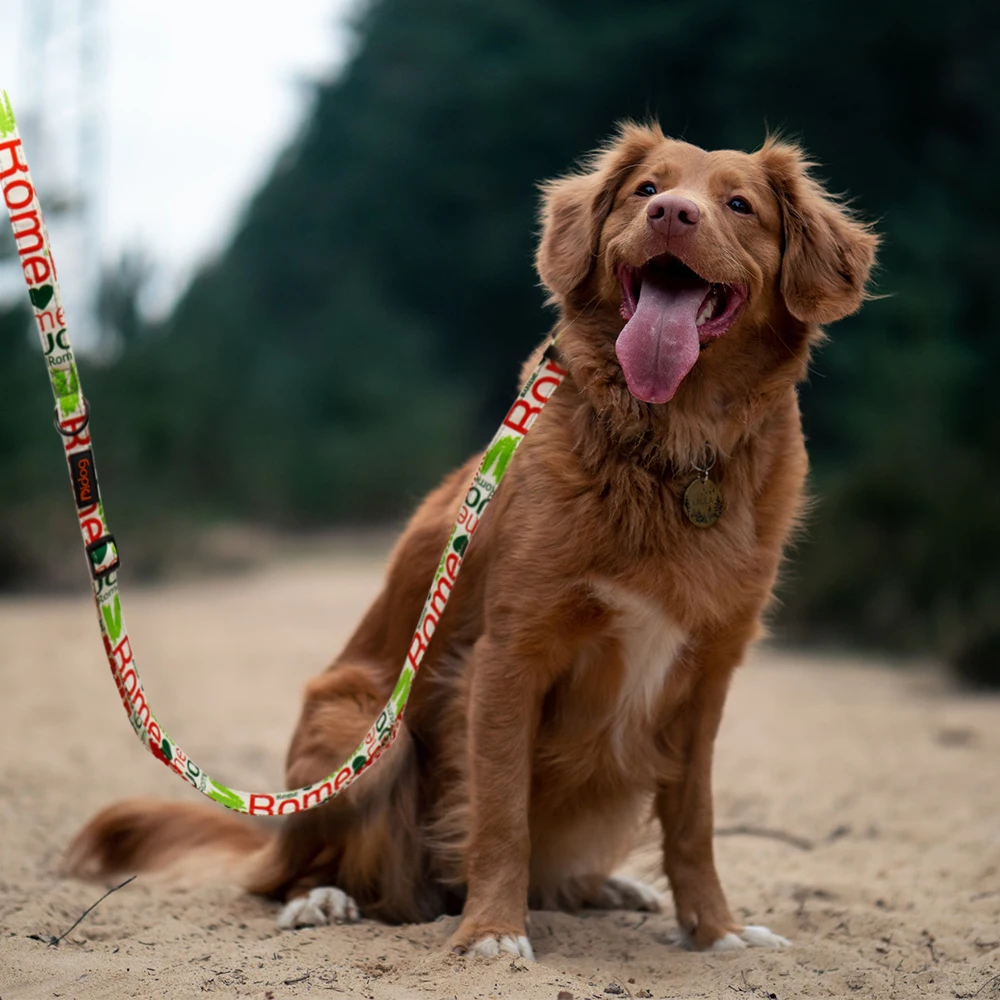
{"x":72,"y":419}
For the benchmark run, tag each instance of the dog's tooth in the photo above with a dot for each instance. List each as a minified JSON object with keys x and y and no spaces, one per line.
{"x":708,"y":310}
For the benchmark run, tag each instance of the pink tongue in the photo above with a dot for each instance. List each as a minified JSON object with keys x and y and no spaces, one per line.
{"x":658,"y":346}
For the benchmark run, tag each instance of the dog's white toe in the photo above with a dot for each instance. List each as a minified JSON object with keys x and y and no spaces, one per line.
{"x":757,"y":936}
{"x":752,"y":936}
{"x":490,"y":947}
{"x":325,"y":905}
{"x":728,"y":942}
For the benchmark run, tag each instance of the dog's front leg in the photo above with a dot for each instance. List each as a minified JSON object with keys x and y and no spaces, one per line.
{"x":684,"y":806}
{"x":503,"y":716}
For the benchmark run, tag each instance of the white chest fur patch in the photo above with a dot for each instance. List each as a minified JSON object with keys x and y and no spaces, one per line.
{"x":650,"y":643}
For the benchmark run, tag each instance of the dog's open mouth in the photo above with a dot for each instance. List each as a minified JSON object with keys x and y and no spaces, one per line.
{"x":670,"y":313}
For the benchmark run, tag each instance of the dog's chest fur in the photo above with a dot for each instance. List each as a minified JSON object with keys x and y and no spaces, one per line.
{"x":649,"y":643}
{"x":603,"y":713}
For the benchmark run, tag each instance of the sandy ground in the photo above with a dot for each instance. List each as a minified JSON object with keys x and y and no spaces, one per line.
{"x":886,"y":781}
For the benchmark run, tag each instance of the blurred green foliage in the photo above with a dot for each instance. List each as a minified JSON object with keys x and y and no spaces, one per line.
{"x":363,"y":331}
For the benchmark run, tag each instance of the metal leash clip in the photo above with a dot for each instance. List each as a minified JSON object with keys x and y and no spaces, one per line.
{"x":77,"y":430}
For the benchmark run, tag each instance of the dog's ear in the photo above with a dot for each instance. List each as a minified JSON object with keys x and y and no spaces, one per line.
{"x":828,"y":254}
{"x":575,"y":207}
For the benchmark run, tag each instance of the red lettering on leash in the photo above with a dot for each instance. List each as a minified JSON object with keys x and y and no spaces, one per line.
{"x":36,"y":270}
{"x":521,"y":415}
{"x":439,"y":598}
{"x":90,"y":522}
{"x":429,"y":625}
{"x":17,"y":165}
{"x":77,"y":427}
{"x":468,"y":520}
{"x":317,"y":794}
{"x":124,"y":651}
{"x":179,"y":759}
{"x":544,"y":397}
{"x":32,"y":231}
{"x":137,"y":699}
{"x":20,"y":185}
{"x":417,"y":649}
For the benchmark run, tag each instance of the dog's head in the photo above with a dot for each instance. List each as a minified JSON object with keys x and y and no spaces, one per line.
{"x":696,"y":260}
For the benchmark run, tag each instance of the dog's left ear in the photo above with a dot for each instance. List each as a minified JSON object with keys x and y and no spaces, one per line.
{"x":828,"y":254}
{"x":574,"y":208}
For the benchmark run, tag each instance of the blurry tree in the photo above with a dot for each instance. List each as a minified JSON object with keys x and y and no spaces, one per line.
{"x":364,"y":329}
{"x":119,"y":300}
{"x":34,"y":475}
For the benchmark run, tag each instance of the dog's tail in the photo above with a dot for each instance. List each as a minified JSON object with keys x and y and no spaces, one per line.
{"x":184,"y":842}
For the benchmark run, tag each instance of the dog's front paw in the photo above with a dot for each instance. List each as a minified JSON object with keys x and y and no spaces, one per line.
{"x":490,"y":947}
{"x":325,"y":905}
{"x":479,"y":942}
{"x":751,"y":936}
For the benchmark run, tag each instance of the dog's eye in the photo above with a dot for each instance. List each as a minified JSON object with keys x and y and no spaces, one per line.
{"x":740,"y":206}
{"x":646,"y":190}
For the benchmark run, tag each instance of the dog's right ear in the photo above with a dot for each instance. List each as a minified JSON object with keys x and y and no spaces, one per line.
{"x":828,"y":253}
{"x":575,"y":207}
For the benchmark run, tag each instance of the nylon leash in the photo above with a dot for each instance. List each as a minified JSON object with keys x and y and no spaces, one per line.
{"x":72,"y":420}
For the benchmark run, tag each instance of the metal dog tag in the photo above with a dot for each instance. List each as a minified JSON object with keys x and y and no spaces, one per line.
{"x":703,"y":503}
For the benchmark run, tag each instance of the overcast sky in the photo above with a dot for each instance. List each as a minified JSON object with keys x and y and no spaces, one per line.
{"x":197,"y":99}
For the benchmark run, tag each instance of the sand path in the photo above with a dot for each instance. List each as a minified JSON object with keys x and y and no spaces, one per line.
{"x":887,"y":781}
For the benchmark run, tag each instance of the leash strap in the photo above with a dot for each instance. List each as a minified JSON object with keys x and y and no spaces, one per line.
{"x":72,"y":420}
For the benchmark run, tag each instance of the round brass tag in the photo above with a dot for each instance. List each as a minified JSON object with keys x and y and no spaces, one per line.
{"x":703,"y":503}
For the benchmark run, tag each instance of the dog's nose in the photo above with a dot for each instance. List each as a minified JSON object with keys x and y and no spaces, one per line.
{"x":672,"y":213}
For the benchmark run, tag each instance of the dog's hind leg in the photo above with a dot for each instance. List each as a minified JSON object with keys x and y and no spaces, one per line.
{"x":607,"y":892}
{"x":359,"y":853}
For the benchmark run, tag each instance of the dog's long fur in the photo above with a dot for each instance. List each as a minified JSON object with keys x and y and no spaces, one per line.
{"x":579,"y":673}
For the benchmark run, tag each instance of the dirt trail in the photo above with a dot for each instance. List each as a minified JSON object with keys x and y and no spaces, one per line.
{"x":886,"y":783}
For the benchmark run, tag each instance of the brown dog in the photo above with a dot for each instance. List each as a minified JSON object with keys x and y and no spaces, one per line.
{"x":580,"y":671}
